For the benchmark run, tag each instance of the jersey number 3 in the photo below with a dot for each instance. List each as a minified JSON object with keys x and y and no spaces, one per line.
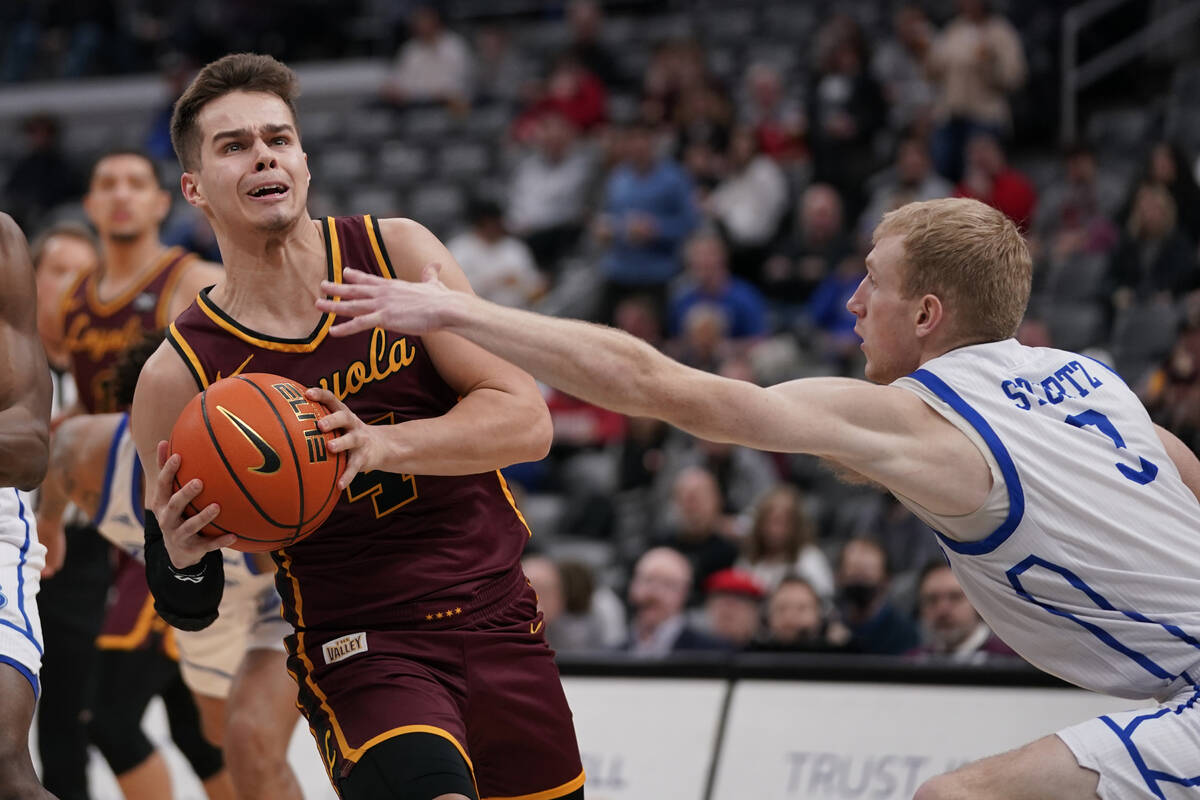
{"x":1148,"y":471}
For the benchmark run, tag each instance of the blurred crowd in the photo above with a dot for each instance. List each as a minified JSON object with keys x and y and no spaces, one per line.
{"x":723,"y":216}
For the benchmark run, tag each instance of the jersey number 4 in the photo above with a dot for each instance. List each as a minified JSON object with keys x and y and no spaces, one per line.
{"x":388,"y":490}
{"x":1148,"y":471}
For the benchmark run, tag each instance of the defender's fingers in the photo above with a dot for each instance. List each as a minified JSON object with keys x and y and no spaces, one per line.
{"x":363,"y":323}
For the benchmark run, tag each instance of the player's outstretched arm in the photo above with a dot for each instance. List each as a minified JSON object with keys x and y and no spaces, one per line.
{"x":500,"y":417}
{"x":884,"y":433}
{"x":183,"y":568}
{"x":25,"y":386}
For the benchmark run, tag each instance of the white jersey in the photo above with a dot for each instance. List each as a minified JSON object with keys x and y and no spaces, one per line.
{"x":1083,"y":558}
{"x":249,"y":614}
{"x":22,"y":557}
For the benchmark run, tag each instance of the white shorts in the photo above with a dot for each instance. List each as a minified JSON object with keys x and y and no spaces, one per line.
{"x":1143,"y":753}
{"x":249,"y":619}
{"x":22,"y":557}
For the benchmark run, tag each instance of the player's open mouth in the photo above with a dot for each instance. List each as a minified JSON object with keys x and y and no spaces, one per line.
{"x":268,"y":190}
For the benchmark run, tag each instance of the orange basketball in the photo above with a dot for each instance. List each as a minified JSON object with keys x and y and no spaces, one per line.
{"x":254,"y":442}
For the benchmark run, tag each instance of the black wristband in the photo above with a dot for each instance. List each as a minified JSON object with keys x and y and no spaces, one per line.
{"x":186,"y":598}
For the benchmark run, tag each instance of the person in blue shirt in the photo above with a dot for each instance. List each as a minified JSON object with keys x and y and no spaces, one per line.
{"x":707,"y":261}
{"x":648,"y":211}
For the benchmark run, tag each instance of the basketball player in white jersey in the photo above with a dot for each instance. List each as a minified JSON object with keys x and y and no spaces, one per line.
{"x":24,"y":436}
{"x":235,"y":668}
{"x":1071,"y":521}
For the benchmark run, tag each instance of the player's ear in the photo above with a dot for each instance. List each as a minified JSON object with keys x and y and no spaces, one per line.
{"x":192,"y":191}
{"x":929,"y":314}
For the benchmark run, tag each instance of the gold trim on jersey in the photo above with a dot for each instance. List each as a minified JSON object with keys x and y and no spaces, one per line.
{"x":333,"y":255}
{"x":550,"y":794}
{"x":168,"y":293}
{"x":108,"y":307}
{"x":189,"y":355}
{"x":511,"y":501}
{"x":372,"y":226}
{"x":349,"y":753}
{"x":141,"y":629}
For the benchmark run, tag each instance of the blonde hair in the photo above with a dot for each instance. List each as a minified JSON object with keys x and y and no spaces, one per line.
{"x":971,"y":257}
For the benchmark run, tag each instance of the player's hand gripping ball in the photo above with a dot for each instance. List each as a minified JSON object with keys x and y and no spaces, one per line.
{"x":254,"y":442}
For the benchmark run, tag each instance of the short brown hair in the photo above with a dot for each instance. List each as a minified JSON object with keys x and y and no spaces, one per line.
{"x":69,"y":229}
{"x":971,"y":256}
{"x":238,"y":72}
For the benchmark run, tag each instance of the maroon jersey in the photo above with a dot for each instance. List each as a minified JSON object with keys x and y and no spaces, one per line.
{"x":98,"y":331}
{"x":398,"y":550}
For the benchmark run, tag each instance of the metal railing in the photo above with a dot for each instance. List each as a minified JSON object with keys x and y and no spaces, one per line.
{"x":1077,"y":77}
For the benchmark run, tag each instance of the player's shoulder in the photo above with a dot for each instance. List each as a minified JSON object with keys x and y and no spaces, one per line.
{"x":165,"y":371}
{"x":11,"y":236}
{"x":83,"y":435}
{"x":410,"y":246}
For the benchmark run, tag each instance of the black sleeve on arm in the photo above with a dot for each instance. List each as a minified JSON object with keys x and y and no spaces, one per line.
{"x":186,"y":598}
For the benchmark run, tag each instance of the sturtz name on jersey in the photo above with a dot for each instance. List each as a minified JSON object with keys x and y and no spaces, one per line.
{"x":1069,"y":380}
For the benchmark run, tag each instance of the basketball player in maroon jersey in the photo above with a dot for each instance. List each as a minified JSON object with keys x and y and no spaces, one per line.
{"x":24,"y":435}
{"x":140,"y":285}
{"x":417,"y":647}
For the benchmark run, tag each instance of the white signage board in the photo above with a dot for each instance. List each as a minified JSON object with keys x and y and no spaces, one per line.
{"x":646,"y":738}
{"x":868,"y":741}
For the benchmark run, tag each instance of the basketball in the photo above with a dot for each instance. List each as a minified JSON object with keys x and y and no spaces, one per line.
{"x":254,"y":442}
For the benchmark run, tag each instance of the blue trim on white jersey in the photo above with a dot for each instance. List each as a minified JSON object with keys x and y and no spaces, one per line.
{"x":1012,"y":481}
{"x":110,"y":468}
{"x":1141,"y":659}
{"x":1152,"y":777}
{"x":24,"y":670}
{"x":27,"y":631}
{"x":1106,"y":366}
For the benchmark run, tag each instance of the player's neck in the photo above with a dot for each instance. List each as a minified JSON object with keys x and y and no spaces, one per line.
{"x":272,"y":280}
{"x":125,"y":260}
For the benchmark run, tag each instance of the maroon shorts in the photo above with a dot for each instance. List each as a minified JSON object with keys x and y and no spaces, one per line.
{"x":130,"y":622}
{"x":482,"y":678}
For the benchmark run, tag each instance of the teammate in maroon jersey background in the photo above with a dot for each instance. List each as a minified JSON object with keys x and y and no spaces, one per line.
{"x":96,"y":637}
{"x":418,"y":648}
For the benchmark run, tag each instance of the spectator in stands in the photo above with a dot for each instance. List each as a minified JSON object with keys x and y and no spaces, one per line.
{"x":501,"y":267}
{"x":818,"y":245}
{"x":675,"y":69}
{"x":1167,"y":165}
{"x":60,"y":255}
{"x":1172,"y":391}
{"x":571,"y":91}
{"x":988,"y":178}
{"x":709,"y":282}
{"x":950,"y":625}
{"x":658,"y":594}
{"x":749,"y":203}
{"x":550,"y":189}
{"x":1074,"y":217}
{"x":743,"y":475}
{"x":845,"y":111}
{"x":1155,"y":261}
{"x":585,"y":28}
{"x":704,"y":340}
{"x":862,"y":578}
{"x":700,"y":531}
{"x":797,"y":622}
{"x":503,"y":74}
{"x":910,"y":179}
{"x":733,"y":607}
{"x":976,"y":62}
{"x":835,"y":342}
{"x":579,"y":615}
{"x":899,"y":67}
{"x":434,"y":67}
{"x":782,"y":541}
{"x":647,"y":213}
{"x":777,"y":119}
{"x":42,"y":178}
